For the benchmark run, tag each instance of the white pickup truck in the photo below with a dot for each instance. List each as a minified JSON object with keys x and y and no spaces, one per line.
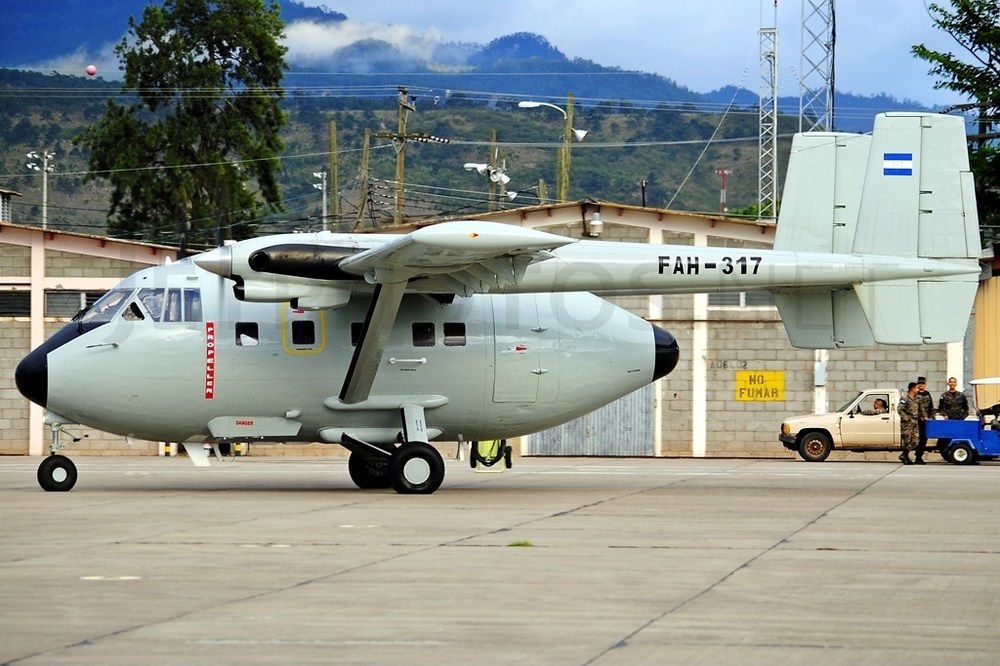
{"x":860,"y":425}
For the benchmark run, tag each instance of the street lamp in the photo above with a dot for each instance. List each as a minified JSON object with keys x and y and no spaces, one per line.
{"x":321,"y":186}
{"x":44,"y":168}
{"x":569,"y":135}
{"x":497,"y":175}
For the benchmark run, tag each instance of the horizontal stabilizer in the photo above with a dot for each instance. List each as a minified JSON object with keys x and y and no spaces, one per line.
{"x":913,"y":312}
{"x":825,"y":319}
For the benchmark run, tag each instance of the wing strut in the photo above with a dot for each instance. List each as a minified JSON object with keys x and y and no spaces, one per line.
{"x":374,"y":336}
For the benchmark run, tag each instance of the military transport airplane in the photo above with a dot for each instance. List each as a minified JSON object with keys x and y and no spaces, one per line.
{"x":465,"y":331}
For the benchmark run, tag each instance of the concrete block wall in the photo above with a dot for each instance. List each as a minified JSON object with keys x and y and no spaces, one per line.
{"x":15,"y":261}
{"x":14,"y":338}
{"x":68,"y":264}
{"x":754,"y":339}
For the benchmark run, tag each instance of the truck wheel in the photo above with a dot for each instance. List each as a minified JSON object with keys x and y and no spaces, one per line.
{"x":815,"y":447}
{"x":962,"y":454}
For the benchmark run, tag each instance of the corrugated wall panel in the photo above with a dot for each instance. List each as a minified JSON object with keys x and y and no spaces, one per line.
{"x":623,"y":428}
{"x":986,"y":340}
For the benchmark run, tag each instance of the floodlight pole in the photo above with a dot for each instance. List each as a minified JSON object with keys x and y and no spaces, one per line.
{"x":563,"y":160}
{"x":44,"y":156}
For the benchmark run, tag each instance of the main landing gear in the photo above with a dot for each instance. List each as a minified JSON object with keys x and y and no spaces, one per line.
{"x":57,"y":473}
{"x":409,"y":468}
{"x":413,"y":467}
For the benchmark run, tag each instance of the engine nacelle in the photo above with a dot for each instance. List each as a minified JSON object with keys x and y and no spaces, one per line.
{"x":308,"y":295}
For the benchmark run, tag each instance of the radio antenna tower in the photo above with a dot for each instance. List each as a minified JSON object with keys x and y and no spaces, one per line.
{"x":819,"y":37}
{"x":767,"y":178}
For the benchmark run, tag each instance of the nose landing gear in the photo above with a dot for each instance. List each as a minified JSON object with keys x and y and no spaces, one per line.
{"x":57,"y":473}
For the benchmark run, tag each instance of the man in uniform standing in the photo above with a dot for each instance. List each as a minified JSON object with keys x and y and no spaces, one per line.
{"x":953,"y":403}
{"x":926,"y":403}
{"x":909,"y":422}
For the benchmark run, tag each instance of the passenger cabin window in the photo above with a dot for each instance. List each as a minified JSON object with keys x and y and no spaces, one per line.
{"x":247,"y":334}
{"x":423,"y":334}
{"x":454,"y":334}
{"x":303,"y":333}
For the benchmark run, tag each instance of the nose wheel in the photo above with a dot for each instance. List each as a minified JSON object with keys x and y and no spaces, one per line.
{"x":57,"y":473}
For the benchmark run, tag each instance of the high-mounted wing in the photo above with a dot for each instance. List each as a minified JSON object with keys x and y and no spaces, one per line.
{"x":477,"y":256}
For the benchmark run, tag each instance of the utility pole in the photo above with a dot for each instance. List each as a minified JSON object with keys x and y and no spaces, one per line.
{"x":493,"y":166}
{"x":723,"y":173}
{"x":334,"y":185}
{"x":399,"y":139}
{"x":363,"y":178}
{"x":562,"y":187}
{"x":405,"y":106}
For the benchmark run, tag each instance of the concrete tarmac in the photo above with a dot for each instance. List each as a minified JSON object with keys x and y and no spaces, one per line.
{"x":557,"y":561}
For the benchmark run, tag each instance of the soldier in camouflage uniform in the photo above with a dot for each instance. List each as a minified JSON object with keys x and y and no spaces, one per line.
{"x":909,"y":420}
{"x":926,"y":403}
{"x":953,"y":403}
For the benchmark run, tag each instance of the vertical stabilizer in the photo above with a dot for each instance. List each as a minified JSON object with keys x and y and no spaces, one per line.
{"x":822,"y":194}
{"x":919,"y":199}
{"x":904,"y":191}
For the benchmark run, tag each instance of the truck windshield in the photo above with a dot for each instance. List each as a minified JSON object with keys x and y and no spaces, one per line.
{"x":843,"y":408}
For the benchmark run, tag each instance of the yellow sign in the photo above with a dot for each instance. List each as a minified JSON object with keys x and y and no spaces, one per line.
{"x":760,"y":385}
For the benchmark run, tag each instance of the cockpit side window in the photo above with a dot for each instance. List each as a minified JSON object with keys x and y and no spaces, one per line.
{"x":172,"y":311}
{"x":182,"y":305}
{"x":153,"y":300}
{"x":133,"y":312}
{"x":106,"y":307}
{"x":192,"y":305}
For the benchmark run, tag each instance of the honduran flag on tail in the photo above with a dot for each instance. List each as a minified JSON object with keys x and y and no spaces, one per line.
{"x":897,"y":164}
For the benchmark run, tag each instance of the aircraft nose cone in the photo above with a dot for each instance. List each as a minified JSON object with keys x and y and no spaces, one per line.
{"x":32,"y":376}
{"x":667,"y":352}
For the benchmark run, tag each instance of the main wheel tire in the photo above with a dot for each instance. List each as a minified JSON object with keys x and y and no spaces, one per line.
{"x":416,"y":468}
{"x":962,"y":454}
{"x":57,"y":474}
{"x":368,"y":472}
{"x":815,"y":447}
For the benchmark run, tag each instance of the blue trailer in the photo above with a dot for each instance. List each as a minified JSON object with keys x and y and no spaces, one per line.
{"x":968,"y":441}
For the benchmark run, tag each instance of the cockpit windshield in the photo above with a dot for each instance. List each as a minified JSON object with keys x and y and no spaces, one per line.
{"x":106,"y":307}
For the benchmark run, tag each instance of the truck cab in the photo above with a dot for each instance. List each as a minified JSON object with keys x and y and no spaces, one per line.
{"x":869,"y":421}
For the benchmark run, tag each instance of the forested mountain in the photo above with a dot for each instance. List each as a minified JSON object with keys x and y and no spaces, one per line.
{"x":649,"y":136}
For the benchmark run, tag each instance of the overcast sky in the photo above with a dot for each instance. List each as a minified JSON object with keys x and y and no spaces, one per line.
{"x":702,"y":46}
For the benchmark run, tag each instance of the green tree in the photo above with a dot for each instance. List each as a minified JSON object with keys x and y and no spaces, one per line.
{"x":194,"y":158}
{"x":975,"y":26}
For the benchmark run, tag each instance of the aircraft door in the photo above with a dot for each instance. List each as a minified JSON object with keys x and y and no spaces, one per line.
{"x":525,"y":349}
